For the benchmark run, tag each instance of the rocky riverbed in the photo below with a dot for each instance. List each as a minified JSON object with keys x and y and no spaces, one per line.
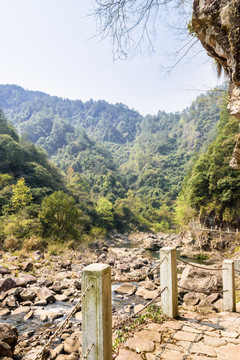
{"x":38,"y":290}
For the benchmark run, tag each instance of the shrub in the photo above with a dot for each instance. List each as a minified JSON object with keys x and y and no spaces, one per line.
{"x":34,"y":243}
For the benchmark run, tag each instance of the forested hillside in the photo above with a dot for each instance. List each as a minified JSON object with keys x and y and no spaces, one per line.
{"x":123,"y":170}
{"x":211,"y":188}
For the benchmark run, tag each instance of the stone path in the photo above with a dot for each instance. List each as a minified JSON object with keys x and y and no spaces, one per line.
{"x":191,"y":337}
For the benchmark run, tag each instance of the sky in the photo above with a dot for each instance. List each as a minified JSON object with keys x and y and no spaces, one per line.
{"x":49,"y":45}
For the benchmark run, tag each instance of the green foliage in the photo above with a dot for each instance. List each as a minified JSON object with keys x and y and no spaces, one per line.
{"x":153,"y":313}
{"x":123,"y":170}
{"x":59,"y":215}
{"x":104,"y":210}
{"x":16,"y":228}
{"x":211,"y":188}
{"x":21,"y":196}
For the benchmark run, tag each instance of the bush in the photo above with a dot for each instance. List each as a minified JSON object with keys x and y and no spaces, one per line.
{"x":11,"y":243}
{"x":34,"y":243}
{"x":20,"y":226}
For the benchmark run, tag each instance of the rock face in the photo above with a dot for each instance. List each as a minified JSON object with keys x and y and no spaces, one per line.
{"x":217,"y":25}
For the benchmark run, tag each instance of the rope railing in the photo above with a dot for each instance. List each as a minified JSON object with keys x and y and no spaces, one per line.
{"x":201,"y":267}
{"x":42,"y":354}
{"x":88,"y":351}
{"x":130,"y":317}
{"x":139,"y":278}
{"x":202,"y":292}
{"x":97,"y":308}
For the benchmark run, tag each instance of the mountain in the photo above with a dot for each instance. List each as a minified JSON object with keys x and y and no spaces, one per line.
{"x":135,"y":163}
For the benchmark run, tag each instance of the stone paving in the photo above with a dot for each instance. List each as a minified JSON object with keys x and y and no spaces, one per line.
{"x":191,"y":337}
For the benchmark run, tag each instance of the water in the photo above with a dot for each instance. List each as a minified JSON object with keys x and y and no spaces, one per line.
{"x":155,"y":254}
{"x":63,"y":308}
{"x":35,"y":322}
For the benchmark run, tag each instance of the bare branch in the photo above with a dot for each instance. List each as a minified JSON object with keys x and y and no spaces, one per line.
{"x":130,"y":23}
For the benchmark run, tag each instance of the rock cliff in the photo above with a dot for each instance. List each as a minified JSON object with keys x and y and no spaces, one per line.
{"x":217,"y":25}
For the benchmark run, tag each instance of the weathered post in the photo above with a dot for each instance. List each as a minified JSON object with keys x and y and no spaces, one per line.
{"x":237,"y":264}
{"x":168,"y":278}
{"x":97,"y":312}
{"x":229,"y":293}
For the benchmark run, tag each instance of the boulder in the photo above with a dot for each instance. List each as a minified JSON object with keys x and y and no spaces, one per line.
{"x":8,"y":334}
{"x":192,"y":298}
{"x":153,"y":244}
{"x":45,"y":294}
{"x":27,"y":294}
{"x":200,"y":279}
{"x":10,"y":302}
{"x":123,"y":268}
{"x":71,"y":345}
{"x":67,"y":357}
{"x":7,"y":284}
{"x":4,"y":270}
{"x":25,"y":279}
{"x":27,"y":266}
{"x":126,"y":288}
{"x":57,"y":351}
{"x":5,"y":349}
{"x":137,"y":264}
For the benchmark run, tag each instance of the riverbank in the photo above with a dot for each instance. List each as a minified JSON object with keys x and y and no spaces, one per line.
{"x":37,"y":290}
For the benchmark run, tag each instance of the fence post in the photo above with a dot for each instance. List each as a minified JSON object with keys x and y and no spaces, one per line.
{"x":237,"y":264}
{"x":168,"y":279}
{"x":229,"y":293}
{"x":97,"y":312}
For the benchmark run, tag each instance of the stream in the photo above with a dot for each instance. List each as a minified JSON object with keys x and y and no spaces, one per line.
{"x":62,"y":308}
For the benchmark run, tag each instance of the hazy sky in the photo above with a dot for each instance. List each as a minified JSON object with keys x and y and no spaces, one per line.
{"x":45,"y":46}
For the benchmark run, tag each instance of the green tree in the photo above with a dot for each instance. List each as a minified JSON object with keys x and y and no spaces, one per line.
{"x":21,"y":195}
{"x":104,"y":209}
{"x":59,"y":215}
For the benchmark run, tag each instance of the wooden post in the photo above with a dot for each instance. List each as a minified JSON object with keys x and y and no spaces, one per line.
{"x":168,"y":279}
{"x":97,"y":312}
{"x":229,"y":293}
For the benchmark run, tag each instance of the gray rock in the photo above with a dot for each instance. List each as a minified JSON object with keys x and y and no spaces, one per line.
{"x":25,"y":279}
{"x":55,"y":352}
{"x":192,"y":298}
{"x":27,"y":266}
{"x":71,"y":345}
{"x":7,"y":284}
{"x":8,"y":334}
{"x":67,"y":357}
{"x":27,"y":294}
{"x":200,"y":279}
{"x":4,"y":270}
{"x":5,"y":349}
{"x":10,"y":302}
{"x":23,"y":310}
{"x":126,"y":288}
{"x":77,"y":284}
{"x":46,"y":294}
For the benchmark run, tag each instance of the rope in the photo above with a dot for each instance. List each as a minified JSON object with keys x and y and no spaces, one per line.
{"x":140,"y":278}
{"x":202,"y":292}
{"x":42,"y":354}
{"x":130,"y":317}
{"x":88,"y":351}
{"x":200,"y":267}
